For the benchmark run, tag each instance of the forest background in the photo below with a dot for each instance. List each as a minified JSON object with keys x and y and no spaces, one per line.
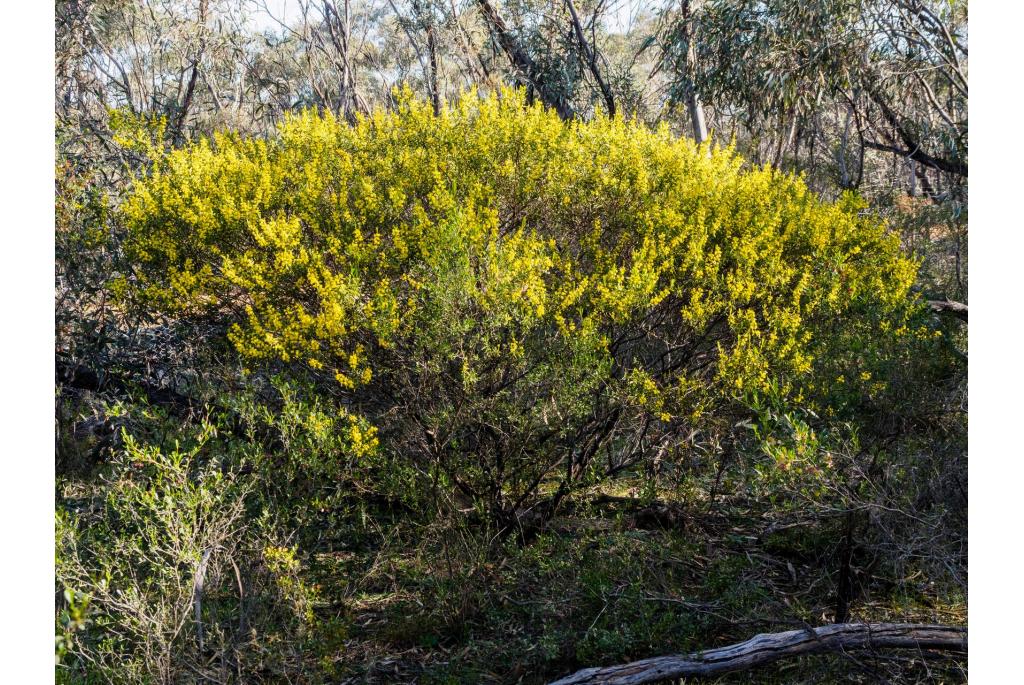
{"x":565,"y":79}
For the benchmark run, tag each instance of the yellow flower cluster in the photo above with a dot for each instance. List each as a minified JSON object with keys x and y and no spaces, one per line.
{"x":332,"y":240}
{"x":284,"y":566}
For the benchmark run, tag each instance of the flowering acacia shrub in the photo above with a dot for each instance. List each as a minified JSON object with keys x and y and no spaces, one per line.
{"x":518,"y":303}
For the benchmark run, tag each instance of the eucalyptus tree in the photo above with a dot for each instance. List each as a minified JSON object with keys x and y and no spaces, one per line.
{"x":841,"y":76}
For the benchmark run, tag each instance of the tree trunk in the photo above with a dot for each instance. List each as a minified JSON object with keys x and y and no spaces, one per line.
{"x":844,"y":592}
{"x":522,"y":61}
{"x":770,"y":647}
{"x":426,"y":20}
{"x":186,"y":105}
{"x":590,"y":57}
{"x":693,"y":104}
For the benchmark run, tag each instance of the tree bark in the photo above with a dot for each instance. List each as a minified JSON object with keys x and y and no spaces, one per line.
{"x":770,"y":647}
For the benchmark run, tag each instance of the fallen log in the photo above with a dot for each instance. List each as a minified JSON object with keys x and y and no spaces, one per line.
{"x":769,"y":647}
{"x":957,"y":309}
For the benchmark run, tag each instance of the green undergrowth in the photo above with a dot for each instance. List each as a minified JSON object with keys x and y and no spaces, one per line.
{"x":403,"y":602}
{"x":359,"y":587}
{"x":596,"y":589}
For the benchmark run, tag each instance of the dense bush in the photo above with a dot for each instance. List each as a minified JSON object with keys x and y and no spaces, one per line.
{"x":506,"y":305}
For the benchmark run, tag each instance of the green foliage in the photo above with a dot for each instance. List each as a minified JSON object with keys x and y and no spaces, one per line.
{"x":72,"y":619}
{"x":86,"y":256}
{"x":490,"y":396}
{"x":514,"y":292}
{"x":776,"y":67}
{"x":779,"y":54}
{"x":167,"y":565}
